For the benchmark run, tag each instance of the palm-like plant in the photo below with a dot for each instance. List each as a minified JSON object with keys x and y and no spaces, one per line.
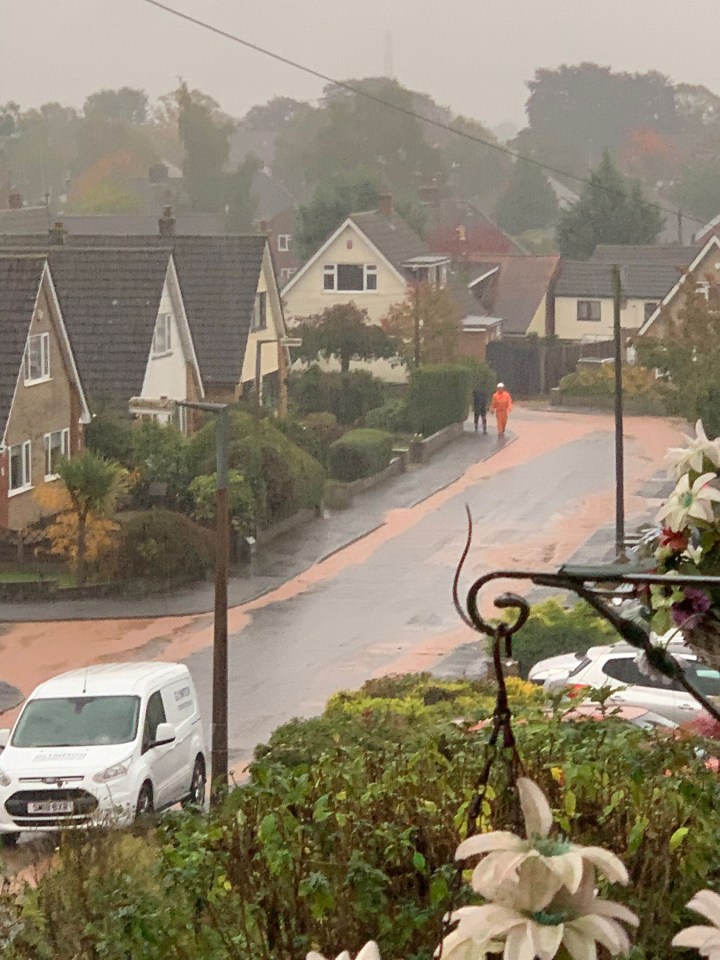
{"x":93,"y":485}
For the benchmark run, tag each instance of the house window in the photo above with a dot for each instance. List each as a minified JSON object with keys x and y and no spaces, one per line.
{"x":20,"y":466}
{"x":283,"y":242}
{"x":350,"y":277}
{"x":37,"y":358}
{"x":286,"y":273}
{"x":259,"y":321}
{"x":162,"y":338}
{"x":588,"y":309}
{"x":57,"y":447}
{"x":650,"y":307}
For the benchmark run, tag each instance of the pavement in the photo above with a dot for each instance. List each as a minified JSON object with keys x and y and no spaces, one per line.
{"x":289,"y":554}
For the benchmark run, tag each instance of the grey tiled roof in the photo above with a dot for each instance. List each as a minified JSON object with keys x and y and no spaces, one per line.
{"x":218,"y":278}
{"x":594,"y":279}
{"x":393,"y":237}
{"x":26,"y":220}
{"x":669,"y":254}
{"x":129,"y":224}
{"x":19,"y":284}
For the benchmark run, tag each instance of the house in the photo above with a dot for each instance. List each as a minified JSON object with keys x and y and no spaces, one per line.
{"x":42,"y":402}
{"x":459,"y":230}
{"x":231,"y":301}
{"x":275,"y":216}
{"x":518,"y":291}
{"x":584,"y":296}
{"x":676,"y":255}
{"x":705,"y":267}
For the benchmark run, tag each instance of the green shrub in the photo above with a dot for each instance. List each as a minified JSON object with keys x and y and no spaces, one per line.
{"x":337,"y":495}
{"x":313,"y":433}
{"x":392,"y":416}
{"x":348,"y":396}
{"x":599,"y":381}
{"x":439,"y":395}
{"x":110,"y":436}
{"x":241,"y":502}
{"x":162,"y":545}
{"x":360,"y":453}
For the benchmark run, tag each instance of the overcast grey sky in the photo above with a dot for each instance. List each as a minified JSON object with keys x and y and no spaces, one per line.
{"x":472,"y":55}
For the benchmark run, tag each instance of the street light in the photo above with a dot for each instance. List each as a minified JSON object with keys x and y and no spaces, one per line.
{"x":281,"y":342}
{"x":619,"y":454}
{"x":219,"y":729}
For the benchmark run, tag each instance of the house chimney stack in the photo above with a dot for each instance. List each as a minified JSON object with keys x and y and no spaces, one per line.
{"x":385,"y":204}
{"x":15,"y":201}
{"x":167,"y":223}
{"x":264,"y":226}
{"x":57,"y":234}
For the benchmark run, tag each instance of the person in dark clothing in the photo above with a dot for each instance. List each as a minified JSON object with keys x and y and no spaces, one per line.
{"x":480,"y":407}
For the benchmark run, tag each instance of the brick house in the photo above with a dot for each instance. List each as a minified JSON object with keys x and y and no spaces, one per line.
{"x":42,"y":401}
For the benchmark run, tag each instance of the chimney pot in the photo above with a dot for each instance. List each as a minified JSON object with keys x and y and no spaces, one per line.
{"x":57,"y":233}
{"x":167,"y":223}
{"x":385,"y":202}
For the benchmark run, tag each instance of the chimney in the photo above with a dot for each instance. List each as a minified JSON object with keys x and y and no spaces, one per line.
{"x":167,"y":223}
{"x":15,"y":201}
{"x":385,"y":204}
{"x":57,"y":234}
{"x":264,"y":226}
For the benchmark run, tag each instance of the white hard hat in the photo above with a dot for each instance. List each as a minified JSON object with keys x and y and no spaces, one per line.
{"x":500,"y":386}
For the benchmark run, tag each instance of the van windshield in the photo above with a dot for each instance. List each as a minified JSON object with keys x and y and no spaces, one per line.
{"x":77,"y":722}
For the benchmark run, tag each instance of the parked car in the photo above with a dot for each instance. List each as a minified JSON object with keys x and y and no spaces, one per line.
{"x":102,"y":745}
{"x":616,"y":667}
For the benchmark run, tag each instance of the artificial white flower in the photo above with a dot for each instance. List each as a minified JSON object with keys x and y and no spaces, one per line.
{"x":690,"y":503}
{"x":369,"y":952}
{"x":706,"y":940}
{"x":456,"y":946}
{"x":557,"y":863}
{"x":698,"y":449}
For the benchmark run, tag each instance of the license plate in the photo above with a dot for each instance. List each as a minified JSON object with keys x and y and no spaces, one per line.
{"x":50,"y":806}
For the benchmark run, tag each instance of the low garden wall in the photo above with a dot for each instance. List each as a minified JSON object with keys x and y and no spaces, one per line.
{"x":33,"y":590}
{"x":421,"y":450}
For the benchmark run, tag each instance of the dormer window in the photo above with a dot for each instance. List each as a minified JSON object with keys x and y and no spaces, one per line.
{"x":37,"y":358}
{"x":162,"y":338}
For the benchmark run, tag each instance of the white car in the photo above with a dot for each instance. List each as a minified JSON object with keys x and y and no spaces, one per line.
{"x":616,"y":667}
{"x":102,"y":745}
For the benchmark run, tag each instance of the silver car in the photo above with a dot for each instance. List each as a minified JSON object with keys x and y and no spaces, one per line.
{"x":616,"y":667}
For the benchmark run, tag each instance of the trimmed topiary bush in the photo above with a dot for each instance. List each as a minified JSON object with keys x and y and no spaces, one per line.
{"x":360,"y":453}
{"x":439,"y":395}
{"x":162,"y":545}
{"x":393,"y":416}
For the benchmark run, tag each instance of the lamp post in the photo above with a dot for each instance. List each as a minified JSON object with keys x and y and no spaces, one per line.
{"x":619,"y":454}
{"x":219,"y":728}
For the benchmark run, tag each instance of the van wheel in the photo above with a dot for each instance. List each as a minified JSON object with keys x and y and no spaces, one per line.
{"x":196,"y":797}
{"x":144,"y":805}
{"x":9,"y":839}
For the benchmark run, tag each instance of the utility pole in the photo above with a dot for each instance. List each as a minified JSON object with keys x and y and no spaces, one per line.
{"x":619,"y":454}
{"x":416,"y":307}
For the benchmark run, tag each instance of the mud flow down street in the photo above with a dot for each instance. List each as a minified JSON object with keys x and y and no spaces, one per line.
{"x":366,"y":591}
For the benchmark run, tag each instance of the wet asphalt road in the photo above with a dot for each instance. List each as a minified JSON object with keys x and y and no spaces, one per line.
{"x":295,"y":653}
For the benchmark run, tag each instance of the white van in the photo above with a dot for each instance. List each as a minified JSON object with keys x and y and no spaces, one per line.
{"x":102,"y":745}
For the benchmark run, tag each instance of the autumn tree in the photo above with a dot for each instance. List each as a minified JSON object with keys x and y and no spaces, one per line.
{"x":205,"y":136}
{"x":611,"y":209}
{"x":425,"y":326}
{"x":343,"y":332}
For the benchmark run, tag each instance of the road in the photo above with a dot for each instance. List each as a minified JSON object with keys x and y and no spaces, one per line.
{"x":383,"y":603}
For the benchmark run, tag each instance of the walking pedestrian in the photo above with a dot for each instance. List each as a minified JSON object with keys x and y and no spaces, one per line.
{"x":501,"y":405}
{"x":480,"y":407}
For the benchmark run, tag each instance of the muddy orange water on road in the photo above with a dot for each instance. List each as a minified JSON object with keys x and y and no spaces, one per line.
{"x":32,"y":652}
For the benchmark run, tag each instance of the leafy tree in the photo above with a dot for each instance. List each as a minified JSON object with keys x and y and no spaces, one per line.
{"x":474,"y":173}
{"x":241,"y":202}
{"x":93,"y":486}
{"x":103,"y":186}
{"x":206,"y":143}
{"x":425,"y":326}
{"x":331,"y":203}
{"x":611,"y":209}
{"x":43,"y":149}
{"x":273,"y":115}
{"x":241,"y":501}
{"x":126,"y":105}
{"x":699,"y":189}
{"x":689,"y":353}
{"x":529,"y":201}
{"x":345,"y":333}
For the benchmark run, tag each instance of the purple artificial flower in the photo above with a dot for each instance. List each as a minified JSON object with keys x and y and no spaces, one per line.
{"x":691,"y":608}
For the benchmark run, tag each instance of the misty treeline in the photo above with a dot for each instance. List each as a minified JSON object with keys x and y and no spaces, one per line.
{"x":339,"y":153}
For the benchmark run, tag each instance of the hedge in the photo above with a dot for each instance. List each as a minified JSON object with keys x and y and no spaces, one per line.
{"x":162,"y":545}
{"x":439,"y":395}
{"x":360,"y":453}
{"x":348,"y":396}
{"x":393,"y":416}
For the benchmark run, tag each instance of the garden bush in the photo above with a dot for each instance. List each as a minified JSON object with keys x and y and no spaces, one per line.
{"x":241,"y":502}
{"x":347,"y":830}
{"x":392,"y":416}
{"x":599,"y":381}
{"x":439,"y":395}
{"x":348,"y":396}
{"x":313,"y":433}
{"x":360,"y":453}
{"x":162,"y":545}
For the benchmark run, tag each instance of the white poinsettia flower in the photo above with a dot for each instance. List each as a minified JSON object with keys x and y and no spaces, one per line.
{"x":690,"y":502}
{"x":369,"y":952}
{"x":557,"y":862}
{"x":692,"y":457}
{"x":706,"y":940}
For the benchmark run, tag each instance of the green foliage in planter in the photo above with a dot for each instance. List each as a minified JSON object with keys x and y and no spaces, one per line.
{"x":553,"y":629}
{"x":348,"y":826}
{"x":162,"y":545}
{"x":360,"y":453}
{"x":241,"y":502}
{"x":348,"y":396}
{"x":439,"y":395}
{"x":392,"y":416}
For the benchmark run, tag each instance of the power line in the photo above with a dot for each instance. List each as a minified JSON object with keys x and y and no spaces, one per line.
{"x":359,"y":91}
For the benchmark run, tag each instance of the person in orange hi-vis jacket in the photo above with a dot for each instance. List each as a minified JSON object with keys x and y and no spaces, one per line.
{"x":501,"y":405}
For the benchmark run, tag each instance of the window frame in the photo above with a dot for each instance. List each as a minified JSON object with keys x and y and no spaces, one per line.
{"x":369,"y":278}
{"x":64,"y":449}
{"x":590,"y":303}
{"x":44,"y":340}
{"x":25,"y":447}
{"x":149,"y":736}
{"x":283,"y":242}
{"x":163,"y":325}
{"x":649,"y":308}
{"x":259,"y":314}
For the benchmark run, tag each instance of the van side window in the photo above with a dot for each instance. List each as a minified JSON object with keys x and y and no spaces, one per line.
{"x":154,"y":715}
